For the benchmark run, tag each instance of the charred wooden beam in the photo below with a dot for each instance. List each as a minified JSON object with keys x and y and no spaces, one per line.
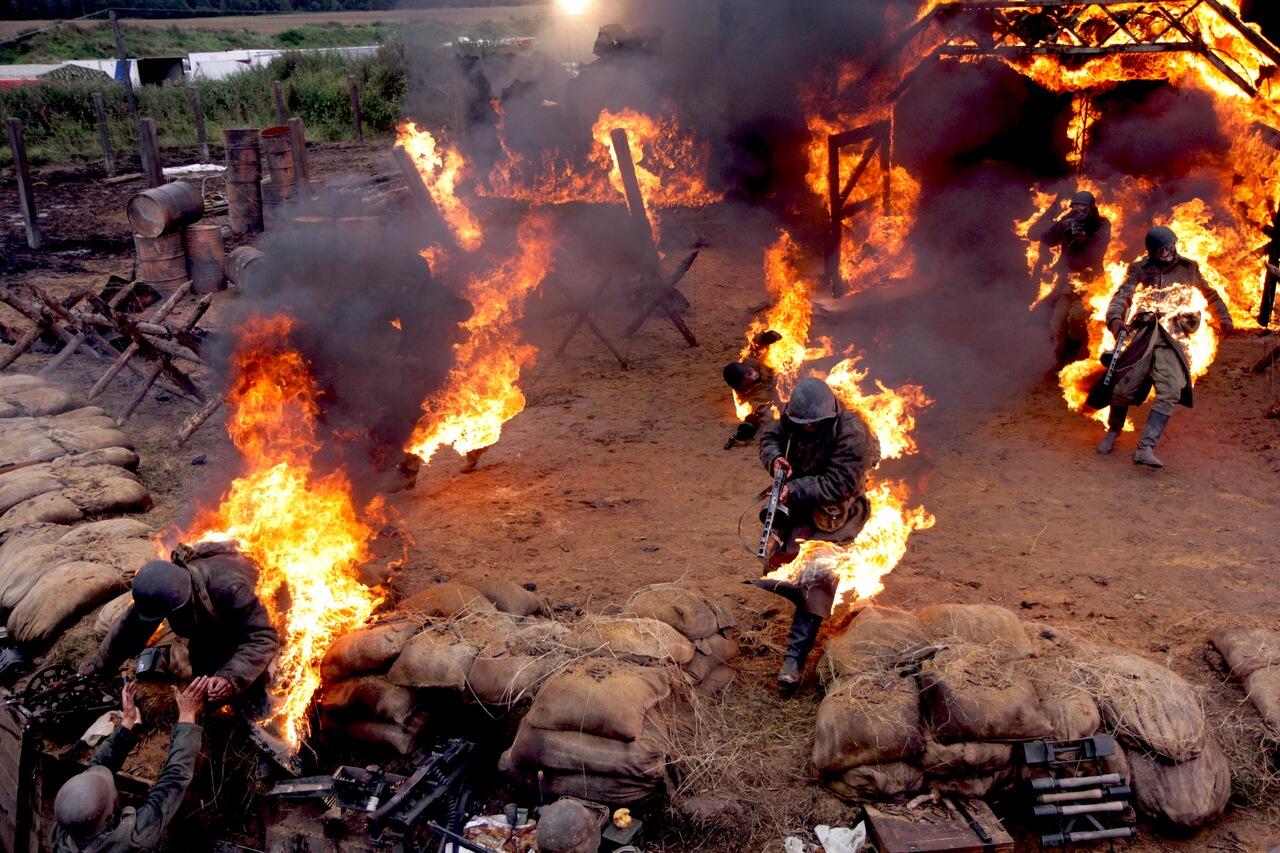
{"x":583,"y":316}
{"x":161,"y":311}
{"x":197,"y":420}
{"x":161,"y":364}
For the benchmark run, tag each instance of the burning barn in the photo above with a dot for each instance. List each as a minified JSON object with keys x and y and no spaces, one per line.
{"x":454,"y":563}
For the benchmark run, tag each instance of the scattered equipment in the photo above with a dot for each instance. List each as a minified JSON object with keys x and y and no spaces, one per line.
{"x":1074,"y":800}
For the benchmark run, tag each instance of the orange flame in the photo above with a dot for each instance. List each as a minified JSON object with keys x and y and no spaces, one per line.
{"x":481,"y":393}
{"x":302,"y":529}
{"x":441,"y":168}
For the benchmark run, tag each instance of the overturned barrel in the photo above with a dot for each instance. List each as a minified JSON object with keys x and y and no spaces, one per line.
{"x":162,"y":263}
{"x":244,"y":174}
{"x":242,"y":264}
{"x":277,"y":157}
{"x":206,"y":257}
{"x":166,"y":209}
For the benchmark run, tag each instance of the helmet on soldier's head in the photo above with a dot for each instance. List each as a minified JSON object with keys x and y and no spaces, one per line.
{"x":736,"y":375}
{"x":1160,"y":237}
{"x":160,"y":588}
{"x":812,"y":401}
{"x":1084,"y":197}
{"x":87,"y":803}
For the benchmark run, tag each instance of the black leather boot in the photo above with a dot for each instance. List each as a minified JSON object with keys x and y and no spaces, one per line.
{"x":1145,"y":454}
{"x":804,"y":633}
{"x":1115,"y":425}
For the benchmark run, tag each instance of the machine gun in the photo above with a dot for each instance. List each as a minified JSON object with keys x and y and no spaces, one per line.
{"x":775,"y":503}
{"x":57,"y":696}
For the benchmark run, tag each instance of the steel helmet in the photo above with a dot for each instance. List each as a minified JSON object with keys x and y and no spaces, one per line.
{"x":87,"y":802}
{"x":812,"y":401}
{"x":160,"y":588}
{"x":735,"y":375}
{"x":1160,"y":237}
{"x":1084,"y":197}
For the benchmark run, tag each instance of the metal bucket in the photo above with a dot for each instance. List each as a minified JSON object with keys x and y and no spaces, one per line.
{"x":206,"y":257}
{"x":277,"y":155}
{"x":240,"y":264}
{"x":244,"y":171}
{"x":161,"y":261}
{"x":166,"y":209}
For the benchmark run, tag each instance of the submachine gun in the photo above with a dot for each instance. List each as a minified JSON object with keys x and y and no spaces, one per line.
{"x":773,"y":507}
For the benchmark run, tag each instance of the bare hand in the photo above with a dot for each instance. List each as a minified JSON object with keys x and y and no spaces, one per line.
{"x":130,"y":716}
{"x":781,"y":462}
{"x":218,"y":688}
{"x":191,"y":700}
{"x":1118,"y":328}
{"x":784,"y":494}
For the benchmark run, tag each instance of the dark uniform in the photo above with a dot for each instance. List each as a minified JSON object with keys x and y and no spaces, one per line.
{"x":140,"y":828}
{"x":1157,"y":293}
{"x":229,"y":630}
{"x":831,"y":451}
{"x":1082,"y":237}
{"x":755,"y":383}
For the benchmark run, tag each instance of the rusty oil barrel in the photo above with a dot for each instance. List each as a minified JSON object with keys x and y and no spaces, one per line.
{"x":242,"y":265}
{"x":244,"y":173}
{"x":273,"y":199}
{"x":165,"y":210}
{"x":162,"y":263}
{"x":206,"y":257}
{"x":277,"y":157}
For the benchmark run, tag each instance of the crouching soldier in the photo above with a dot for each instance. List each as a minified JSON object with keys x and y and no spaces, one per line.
{"x":87,"y":808}
{"x":753,"y":382}
{"x":1154,"y":310}
{"x":213,"y":603}
{"x":826,"y":452}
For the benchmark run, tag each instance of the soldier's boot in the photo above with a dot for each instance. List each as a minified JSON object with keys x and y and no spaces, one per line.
{"x":1115,"y":425}
{"x":804,"y":634}
{"x":1145,"y":454}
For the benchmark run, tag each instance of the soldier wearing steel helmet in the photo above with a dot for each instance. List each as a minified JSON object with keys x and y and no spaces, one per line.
{"x":1082,"y":236}
{"x":1154,"y":308}
{"x":827,"y":451}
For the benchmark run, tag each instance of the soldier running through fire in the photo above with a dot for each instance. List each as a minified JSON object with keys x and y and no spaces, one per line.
{"x":1156,"y":297}
{"x":753,"y":382}
{"x":826,"y":452}
{"x":1081,"y":236}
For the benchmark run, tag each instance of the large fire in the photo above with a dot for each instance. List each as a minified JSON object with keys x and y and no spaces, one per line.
{"x":441,"y":168}
{"x":481,"y":392}
{"x":303,"y":529}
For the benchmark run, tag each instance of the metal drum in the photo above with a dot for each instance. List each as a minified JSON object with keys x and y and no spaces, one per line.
{"x":244,"y":173}
{"x":166,"y":209}
{"x":206,"y":257}
{"x":161,"y":261}
{"x":273,"y":199}
{"x":241,"y":264}
{"x":277,"y":157}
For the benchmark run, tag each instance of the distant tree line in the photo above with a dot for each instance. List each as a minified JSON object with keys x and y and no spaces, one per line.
{"x":66,"y":9}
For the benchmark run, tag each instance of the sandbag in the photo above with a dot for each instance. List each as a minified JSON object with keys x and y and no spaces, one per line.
{"x":537,"y":749}
{"x":370,"y":649}
{"x":1247,"y":650}
{"x":23,"y":557}
{"x":598,"y":788}
{"x":447,"y":600}
{"x":89,"y":490}
{"x":965,"y":759}
{"x":22,"y":395}
{"x":889,"y":781}
{"x":1148,"y":706}
{"x":1263,"y":689}
{"x":396,"y":738}
{"x":867,"y":720}
{"x":874,"y":640}
{"x":641,"y":640}
{"x":536,"y":637}
{"x":717,"y":647}
{"x":507,"y":679}
{"x":985,"y":624}
{"x":61,"y":596}
{"x":368,"y":697}
{"x":50,"y":437}
{"x":973,"y":695}
{"x":509,"y":597}
{"x":716,"y":680}
{"x":1071,"y":711}
{"x":605,"y":698}
{"x":1189,"y":794}
{"x":112,"y":612}
{"x":701,"y":666}
{"x":972,"y":787}
{"x":687,"y":611}
{"x":123,"y":544}
{"x":434,"y":659}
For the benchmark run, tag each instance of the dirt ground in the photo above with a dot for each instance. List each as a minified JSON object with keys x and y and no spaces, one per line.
{"x":613,"y":479}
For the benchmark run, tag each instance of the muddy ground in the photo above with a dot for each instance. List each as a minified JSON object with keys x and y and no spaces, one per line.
{"x":613,"y":479}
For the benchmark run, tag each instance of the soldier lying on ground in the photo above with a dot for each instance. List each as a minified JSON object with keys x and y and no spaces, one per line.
{"x":754,"y":382}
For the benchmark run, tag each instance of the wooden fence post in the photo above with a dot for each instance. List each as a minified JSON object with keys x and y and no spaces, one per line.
{"x":104,"y":133}
{"x":150,"y":146}
{"x":282,"y":115}
{"x":26,"y":198}
{"x":198,"y":109}
{"x":354,"y":86}
{"x":123,"y":59}
{"x":298,"y":142}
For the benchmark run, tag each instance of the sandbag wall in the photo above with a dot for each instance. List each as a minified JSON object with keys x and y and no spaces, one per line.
{"x":938,"y":698}
{"x":1253,"y":657}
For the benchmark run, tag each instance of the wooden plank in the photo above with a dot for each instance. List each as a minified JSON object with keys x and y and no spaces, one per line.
{"x":282,"y":114}
{"x":104,"y":133}
{"x":197,"y":108}
{"x":26,"y":194}
{"x":935,"y":829}
{"x":149,"y":145}
{"x":123,"y":60}
{"x":298,"y":142}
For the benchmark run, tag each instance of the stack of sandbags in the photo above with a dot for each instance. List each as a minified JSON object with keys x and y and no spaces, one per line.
{"x":600,"y":730}
{"x":22,"y":395}
{"x":702,"y":620}
{"x":354,"y":676}
{"x":1254,"y":657}
{"x":51,"y":575}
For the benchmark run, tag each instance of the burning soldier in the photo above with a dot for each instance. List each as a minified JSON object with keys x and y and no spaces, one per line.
{"x":1081,"y":237}
{"x":212,"y":602}
{"x":754,"y":382}
{"x":825,"y":452}
{"x":1157,"y":297}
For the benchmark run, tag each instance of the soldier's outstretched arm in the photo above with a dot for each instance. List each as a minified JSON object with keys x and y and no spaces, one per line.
{"x":258,"y":645}
{"x":166,"y":794}
{"x":125,"y":639}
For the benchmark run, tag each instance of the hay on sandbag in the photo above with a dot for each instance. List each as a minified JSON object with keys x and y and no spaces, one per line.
{"x":867,"y":720}
{"x":23,"y":557}
{"x":965,"y":759}
{"x":447,"y":600}
{"x":984,"y":624}
{"x":370,"y":649}
{"x":875,"y":639}
{"x":442,"y":653}
{"x":50,"y":437}
{"x":368,"y":697}
{"x":691,"y":613}
{"x":892,"y":780}
{"x":35,"y":550}
{"x":1147,"y":705}
{"x":973,"y":787}
{"x":1071,"y":710}
{"x":1263,"y":689}
{"x":84,"y":491}
{"x":509,"y":597}
{"x":1189,"y":794}
{"x":537,"y":749}
{"x":601,"y":697}
{"x":1247,"y":650}
{"x":716,"y":680}
{"x":505,"y":679}
{"x":641,"y":640}
{"x":22,"y":395}
{"x":61,"y":596}
{"x":974,"y":695}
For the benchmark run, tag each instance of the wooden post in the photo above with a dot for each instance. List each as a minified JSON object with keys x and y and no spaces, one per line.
{"x":26,"y":198}
{"x":150,"y":146}
{"x":298,"y":142}
{"x":1267,"y":306}
{"x":836,"y":202}
{"x":356,"y":119}
{"x":635,"y":199}
{"x":198,"y":109}
{"x":124,"y":60}
{"x":282,"y":115}
{"x":104,"y":133}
